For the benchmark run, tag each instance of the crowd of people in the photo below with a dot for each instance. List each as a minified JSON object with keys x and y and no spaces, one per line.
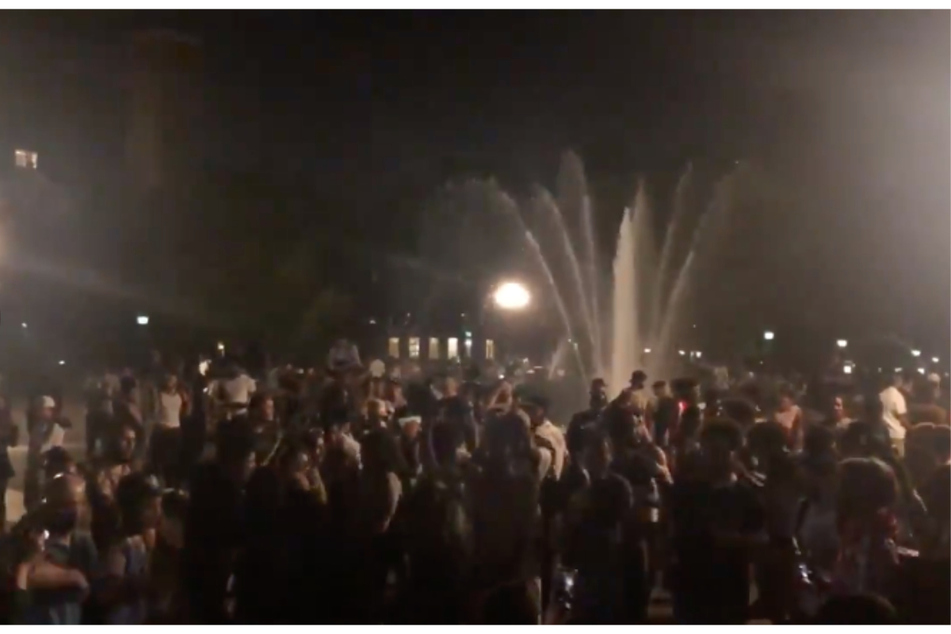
{"x":340,"y":495}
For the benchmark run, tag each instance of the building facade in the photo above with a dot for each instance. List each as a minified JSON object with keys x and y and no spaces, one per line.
{"x":165,"y":105}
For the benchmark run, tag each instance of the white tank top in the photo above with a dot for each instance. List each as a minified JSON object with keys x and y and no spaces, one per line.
{"x":169,"y":410}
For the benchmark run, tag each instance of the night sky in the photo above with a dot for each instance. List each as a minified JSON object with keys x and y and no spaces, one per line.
{"x":376,"y":110}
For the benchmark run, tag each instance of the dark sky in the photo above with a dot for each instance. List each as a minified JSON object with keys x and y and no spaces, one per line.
{"x":851,"y":109}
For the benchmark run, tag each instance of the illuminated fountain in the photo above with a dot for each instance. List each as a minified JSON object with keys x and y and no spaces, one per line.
{"x":650,"y":290}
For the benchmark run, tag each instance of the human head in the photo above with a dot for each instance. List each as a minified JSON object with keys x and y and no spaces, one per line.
{"x":838,"y":408}
{"x":140,"y":503}
{"x":720,"y":439}
{"x":171,"y":382}
{"x":787,"y":399}
{"x":867,"y":486}
{"x":598,"y":451}
{"x":536,"y":406}
{"x":376,"y":412}
{"x":57,"y":461}
{"x":410,"y":426}
{"x":660,"y":389}
{"x":124,"y":440}
{"x":597,"y":394}
{"x":898,"y":380}
{"x":65,"y":505}
{"x":127,"y":387}
{"x":44,"y":408}
{"x":261,"y":407}
{"x":638,"y":379}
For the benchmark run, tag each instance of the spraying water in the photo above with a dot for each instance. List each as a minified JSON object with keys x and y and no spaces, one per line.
{"x":624,"y":333}
{"x":546,"y":200}
{"x":649,"y":290}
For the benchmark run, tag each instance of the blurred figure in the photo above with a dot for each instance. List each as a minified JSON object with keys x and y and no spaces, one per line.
{"x":9,"y":434}
{"x":789,"y":415}
{"x":58,"y":581}
{"x":126,"y":583}
{"x":44,"y":433}
{"x":866,"y":504}
{"x":716,"y":520}
{"x":894,"y":411}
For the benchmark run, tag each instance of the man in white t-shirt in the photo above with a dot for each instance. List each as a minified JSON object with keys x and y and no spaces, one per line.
{"x":895,"y":412}
{"x":233,"y":392}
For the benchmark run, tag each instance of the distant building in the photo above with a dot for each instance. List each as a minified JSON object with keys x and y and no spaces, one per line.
{"x":26,"y":159}
{"x":165,"y":104}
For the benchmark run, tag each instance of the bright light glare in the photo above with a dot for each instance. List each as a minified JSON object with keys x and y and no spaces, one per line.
{"x":769,"y":335}
{"x":847,"y":368}
{"x":698,"y":354}
{"x":511,"y":296}
{"x":842,"y":343}
{"x":61,"y":362}
{"x":221,"y":346}
{"x":916,"y":353}
{"x":681,"y":352}
{"x":23,"y":325}
{"x":647,"y":350}
{"x":142,"y":320}
{"x":921,"y":371}
{"x":935,"y":359}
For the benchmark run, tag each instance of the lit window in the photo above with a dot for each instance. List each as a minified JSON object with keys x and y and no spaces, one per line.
{"x":394,"y":347}
{"x":26,"y":159}
{"x":452,"y":348}
{"x":489,"y":349}
{"x":468,"y":345}
{"x":434,"y":348}
{"x":414,"y":347}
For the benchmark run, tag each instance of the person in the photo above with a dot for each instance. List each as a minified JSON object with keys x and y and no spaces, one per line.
{"x":597,"y":401}
{"x":44,"y":432}
{"x":167,"y":603}
{"x":925,"y":408}
{"x":232,"y":391}
{"x":116,"y":462}
{"x":126,"y":582}
{"x":895,"y":411}
{"x":640,"y":399}
{"x":598,"y":539}
{"x":268,"y":434}
{"x":816,"y":527}
{"x":214,"y":522}
{"x":789,"y":415}
{"x":59,"y":577}
{"x":866,"y":507}
{"x":545,"y":432}
{"x":9,"y":434}
{"x":716,"y":521}
{"x":127,"y":412}
{"x":838,"y":417}
{"x":98,"y":412}
{"x":166,"y":443}
{"x":936,"y":492}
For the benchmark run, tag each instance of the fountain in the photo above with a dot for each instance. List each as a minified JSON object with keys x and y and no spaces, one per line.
{"x":649,"y":292}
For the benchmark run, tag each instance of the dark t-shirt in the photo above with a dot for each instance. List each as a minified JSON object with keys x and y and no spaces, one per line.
{"x":713,"y":577}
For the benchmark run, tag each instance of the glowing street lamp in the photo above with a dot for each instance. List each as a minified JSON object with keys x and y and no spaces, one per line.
{"x":769,"y":335}
{"x":842,"y":343}
{"x":511,"y":296}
